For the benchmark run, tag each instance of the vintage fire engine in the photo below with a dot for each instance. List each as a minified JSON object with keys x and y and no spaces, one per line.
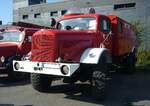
{"x":82,"y":47}
{"x":15,"y":43}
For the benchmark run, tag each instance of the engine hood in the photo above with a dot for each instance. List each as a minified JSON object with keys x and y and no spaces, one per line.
{"x":48,"y":45}
{"x":73,"y":43}
{"x":8,"y":48}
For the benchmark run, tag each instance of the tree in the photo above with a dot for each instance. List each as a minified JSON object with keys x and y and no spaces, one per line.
{"x":143,"y":55}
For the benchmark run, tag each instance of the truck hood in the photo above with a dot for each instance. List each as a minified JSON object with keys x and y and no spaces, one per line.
{"x":8,"y":48}
{"x":48,"y":45}
{"x":73,"y":43}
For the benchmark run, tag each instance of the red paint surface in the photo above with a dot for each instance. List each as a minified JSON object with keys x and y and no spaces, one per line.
{"x":122,"y":42}
{"x":8,"y":48}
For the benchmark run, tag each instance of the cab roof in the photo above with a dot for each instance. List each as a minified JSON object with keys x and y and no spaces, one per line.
{"x":77,"y":15}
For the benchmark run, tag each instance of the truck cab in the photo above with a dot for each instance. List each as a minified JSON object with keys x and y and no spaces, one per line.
{"x":80,"y":47}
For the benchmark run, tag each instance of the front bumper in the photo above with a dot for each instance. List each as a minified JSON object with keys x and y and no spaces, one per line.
{"x":44,"y":67}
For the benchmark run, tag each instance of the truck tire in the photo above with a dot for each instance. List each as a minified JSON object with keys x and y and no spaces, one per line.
{"x":41,"y":82}
{"x":98,"y":80}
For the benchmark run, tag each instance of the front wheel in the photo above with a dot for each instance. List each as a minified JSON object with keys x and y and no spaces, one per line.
{"x":41,"y":82}
{"x":99,"y":80}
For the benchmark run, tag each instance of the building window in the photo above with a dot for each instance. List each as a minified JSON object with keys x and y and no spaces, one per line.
{"x":122,"y":6}
{"x":25,"y":17}
{"x":37,"y":15}
{"x":54,"y":13}
{"x":34,"y":2}
{"x":63,"y":12}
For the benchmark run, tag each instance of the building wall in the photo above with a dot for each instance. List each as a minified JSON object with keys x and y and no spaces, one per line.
{"x":44,"y":10}
{"x":17,"y":4}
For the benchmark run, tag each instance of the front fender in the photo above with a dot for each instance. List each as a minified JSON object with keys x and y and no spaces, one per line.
{"x":93,"y":55}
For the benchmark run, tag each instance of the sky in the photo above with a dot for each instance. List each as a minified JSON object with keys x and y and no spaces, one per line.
{"x":6,"y":10}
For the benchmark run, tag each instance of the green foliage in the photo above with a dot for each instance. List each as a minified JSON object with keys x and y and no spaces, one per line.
{"x":140,"y":31}
{"x":143,"y":55}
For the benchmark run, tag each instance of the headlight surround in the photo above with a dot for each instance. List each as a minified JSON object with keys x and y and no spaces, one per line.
{"x":65,"y":69}
{"x":16,"y":66}
{"x":2,"y":59}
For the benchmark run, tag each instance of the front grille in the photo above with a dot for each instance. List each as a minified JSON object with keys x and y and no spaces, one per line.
{"x":43,"y":47}
{"x":1,"y":64}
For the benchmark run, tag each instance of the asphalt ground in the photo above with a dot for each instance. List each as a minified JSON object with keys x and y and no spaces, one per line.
{"x":123,"y":90}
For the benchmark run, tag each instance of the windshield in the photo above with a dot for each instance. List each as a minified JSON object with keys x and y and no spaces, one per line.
{"x":11,"y":36}
{"x":78,"y":24}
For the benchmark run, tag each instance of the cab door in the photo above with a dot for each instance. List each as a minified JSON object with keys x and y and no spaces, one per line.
{"x":26,"y":44}
{"x":105,"y":32}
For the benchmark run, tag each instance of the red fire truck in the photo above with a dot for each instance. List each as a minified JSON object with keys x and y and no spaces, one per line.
{"x":15,"y":43}
{"x":82,"y":47}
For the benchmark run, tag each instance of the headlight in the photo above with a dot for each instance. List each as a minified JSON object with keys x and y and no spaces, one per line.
{"x":2,"y":59}
{"x":16,"y":66}
{"x":65,"y":69}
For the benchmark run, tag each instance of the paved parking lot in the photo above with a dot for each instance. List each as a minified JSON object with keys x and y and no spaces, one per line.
{"x":124,"y":90}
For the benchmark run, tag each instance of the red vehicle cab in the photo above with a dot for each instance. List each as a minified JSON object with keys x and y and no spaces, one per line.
{"x":15,"y":44}
{"x":81,"y":47}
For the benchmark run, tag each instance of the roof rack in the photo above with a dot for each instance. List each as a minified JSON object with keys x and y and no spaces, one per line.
{"x":28,"y":25}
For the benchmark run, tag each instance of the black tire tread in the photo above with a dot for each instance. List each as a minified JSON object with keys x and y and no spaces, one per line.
{"x":41,"y":82}
{"x":99,"y":76}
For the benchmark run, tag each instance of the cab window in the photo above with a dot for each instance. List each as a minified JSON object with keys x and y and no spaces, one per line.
{"x":105,"y":25}
{"x":83,"y":23}
{"x":29,"y":39}
{"x":120,"y":26}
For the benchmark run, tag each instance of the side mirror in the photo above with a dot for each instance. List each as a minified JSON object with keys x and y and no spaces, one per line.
{"x":52,"y":22}
{"x":1,"y":37}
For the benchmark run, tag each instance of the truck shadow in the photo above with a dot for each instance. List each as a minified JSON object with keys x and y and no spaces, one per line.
{"x":6,"y":82}
{"x":123,"y":90}
{"x":7,"y":105}
{"x":13,"y":105}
